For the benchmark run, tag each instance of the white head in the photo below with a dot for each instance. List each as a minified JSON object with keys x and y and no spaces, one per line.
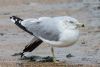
{"x":72,"y":23}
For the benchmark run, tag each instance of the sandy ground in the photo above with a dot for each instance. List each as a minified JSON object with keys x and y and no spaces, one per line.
{"x":13,"y":40}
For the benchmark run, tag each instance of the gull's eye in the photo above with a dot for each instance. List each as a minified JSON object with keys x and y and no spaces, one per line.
{"x":71,"y":21}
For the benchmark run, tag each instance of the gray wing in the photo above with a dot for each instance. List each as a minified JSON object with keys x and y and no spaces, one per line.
{"x":45,"y":29}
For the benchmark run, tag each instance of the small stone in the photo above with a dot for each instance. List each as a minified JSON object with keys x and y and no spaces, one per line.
{"x":69,"y":56}
{"x":1,"y":34}
{"x":98,"y":7}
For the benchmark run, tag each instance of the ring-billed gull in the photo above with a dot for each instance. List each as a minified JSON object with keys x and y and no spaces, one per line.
{"x":57,"y":31}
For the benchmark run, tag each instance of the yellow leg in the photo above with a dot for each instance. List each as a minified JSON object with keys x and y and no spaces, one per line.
{"x":54,"y":58}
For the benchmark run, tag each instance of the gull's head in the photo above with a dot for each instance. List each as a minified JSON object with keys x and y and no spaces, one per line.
{"x":15,"y":19}
{"x":72,"y":23}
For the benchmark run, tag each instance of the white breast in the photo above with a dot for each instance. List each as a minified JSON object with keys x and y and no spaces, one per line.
{"x":69,"y":37}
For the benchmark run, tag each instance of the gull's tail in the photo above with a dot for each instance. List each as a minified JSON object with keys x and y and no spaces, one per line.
{"x":18,"y":21}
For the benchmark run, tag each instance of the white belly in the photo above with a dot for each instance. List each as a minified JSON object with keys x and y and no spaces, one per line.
{"x":68,"y":38}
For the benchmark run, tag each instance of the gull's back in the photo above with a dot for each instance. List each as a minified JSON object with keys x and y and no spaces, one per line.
{"x":44,"y":27}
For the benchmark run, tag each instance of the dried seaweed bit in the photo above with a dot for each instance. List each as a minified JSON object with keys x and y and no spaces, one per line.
{"x":1,"y":34}
{"x":69,"y":56}
{"x":39,"y":59}
{"x":47,"y":59}
{"x":98,"y":7}
{"x":42,"y":59}
{"x":31,"y":58}
{"x":35,"y":58}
